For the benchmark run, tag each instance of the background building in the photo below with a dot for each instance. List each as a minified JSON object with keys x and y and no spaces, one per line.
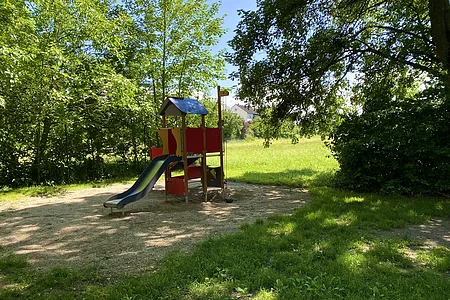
{"x":246,"y":113}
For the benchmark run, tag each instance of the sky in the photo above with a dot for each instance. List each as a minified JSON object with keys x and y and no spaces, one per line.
{"x":230,"y":9}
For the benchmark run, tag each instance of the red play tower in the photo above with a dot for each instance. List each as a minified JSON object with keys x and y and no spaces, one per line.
{"x":191,"y":145}
{"x":182,"y":147}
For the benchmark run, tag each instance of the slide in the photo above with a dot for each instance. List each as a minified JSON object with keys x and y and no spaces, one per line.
{"x":144,"y":184}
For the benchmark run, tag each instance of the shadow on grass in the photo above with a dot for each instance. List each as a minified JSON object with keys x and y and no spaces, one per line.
{"x":326,"y":250}
{"x":303,"y":178}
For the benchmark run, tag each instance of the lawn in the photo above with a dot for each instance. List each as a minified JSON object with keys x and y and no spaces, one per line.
{"x":306,"y":164}
{"x":336,"y":247}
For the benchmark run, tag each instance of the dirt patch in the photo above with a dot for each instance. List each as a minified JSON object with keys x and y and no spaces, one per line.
{"x":433,"y":233}
{"x":424,"y":238}
{"x":75,"y":230}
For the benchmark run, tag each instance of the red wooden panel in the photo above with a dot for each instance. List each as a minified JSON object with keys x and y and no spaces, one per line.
{"x":175,"y":186}
{"x":194,"y":140}
{"x":213,"y":142}
{"x":172,"y":144}
{"x":156,"y":152}
{"x":195,"y":171}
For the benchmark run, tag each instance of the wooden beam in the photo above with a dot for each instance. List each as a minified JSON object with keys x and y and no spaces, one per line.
{"x":167,"y":171}
{"x":205,"y":175}
{"x":220,"y":125}
{"x":185,"y":161}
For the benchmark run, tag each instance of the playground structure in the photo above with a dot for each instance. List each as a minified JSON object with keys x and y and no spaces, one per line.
{"x":182,"y":148}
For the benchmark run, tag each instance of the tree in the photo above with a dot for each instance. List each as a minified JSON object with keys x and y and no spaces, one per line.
{"x":398,"y":143}
{"x":82,"y":80}
{"x":296,"y":56}
{"x":51,"y":85}
{"x":260,"y":128}
{"x":232,"y":125}
{"x":169,"y":51}
{"x":363,"y":71}
{"x":17,"y":42}
{"x":439,"y":11}
{"x":176,"y":37}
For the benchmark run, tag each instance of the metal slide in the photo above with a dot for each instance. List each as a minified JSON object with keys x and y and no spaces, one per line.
{"x":144,"y":184}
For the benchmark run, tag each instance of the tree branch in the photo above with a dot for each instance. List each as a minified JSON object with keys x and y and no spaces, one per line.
{"x":370,"y":49}
{"x":400,"y":30}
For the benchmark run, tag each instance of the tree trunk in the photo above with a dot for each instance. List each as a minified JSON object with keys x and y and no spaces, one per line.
{"x":41,"y":146}
{"x":164,"y":58}
{"x":36,"y":173}
{"x":155,"y":97}
{"x":133,"y":141}
{"x":439,"y":11}
{"x":180,"y":79}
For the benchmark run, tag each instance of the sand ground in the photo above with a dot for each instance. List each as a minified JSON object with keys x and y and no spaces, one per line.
{"x":75,"y":230}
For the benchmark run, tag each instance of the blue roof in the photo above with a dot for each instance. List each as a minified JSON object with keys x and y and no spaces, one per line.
{"x":178,"y":106}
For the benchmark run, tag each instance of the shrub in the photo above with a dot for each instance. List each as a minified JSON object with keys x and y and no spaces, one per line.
{"x":232,"y":125}
{"x":396,"y":146}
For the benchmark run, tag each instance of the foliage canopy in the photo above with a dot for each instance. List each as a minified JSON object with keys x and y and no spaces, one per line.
{"x":362,"y":71}
{"x":82,"y":80}
{"x":302,"y":57}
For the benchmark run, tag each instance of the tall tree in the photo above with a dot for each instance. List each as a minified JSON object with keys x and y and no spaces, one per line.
{"x":57,"y":72}
{"x":439,"y":11}
{"x":372,"y":74}
{"x":296,"y":56}
{"x":76,"y":78}
{"x":176,"y":40}
{"x":17,"y":47}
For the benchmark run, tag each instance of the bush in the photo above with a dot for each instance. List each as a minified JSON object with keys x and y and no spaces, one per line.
{"x":261,"y":127}
{"x":232,"y":126}
{"x":396,"y":146}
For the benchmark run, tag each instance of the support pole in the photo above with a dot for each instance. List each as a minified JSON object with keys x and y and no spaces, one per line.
{"x":167,"y":171}
{"x":220,"y":125}
{"x":185,"y":161}
{"x":204,"y":176}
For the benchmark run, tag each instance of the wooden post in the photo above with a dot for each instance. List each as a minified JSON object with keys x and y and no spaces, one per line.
{"x":205,"y":175}
{"x":219,"y":101}
{"x":185,"y":161}
{"x":167,"y":171}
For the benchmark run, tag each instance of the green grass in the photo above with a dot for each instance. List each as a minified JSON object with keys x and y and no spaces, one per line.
{"x":306,"y":164}
{"x":114,"y":171}
{"x":329,"y":249}
{"x":9,"y":194}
